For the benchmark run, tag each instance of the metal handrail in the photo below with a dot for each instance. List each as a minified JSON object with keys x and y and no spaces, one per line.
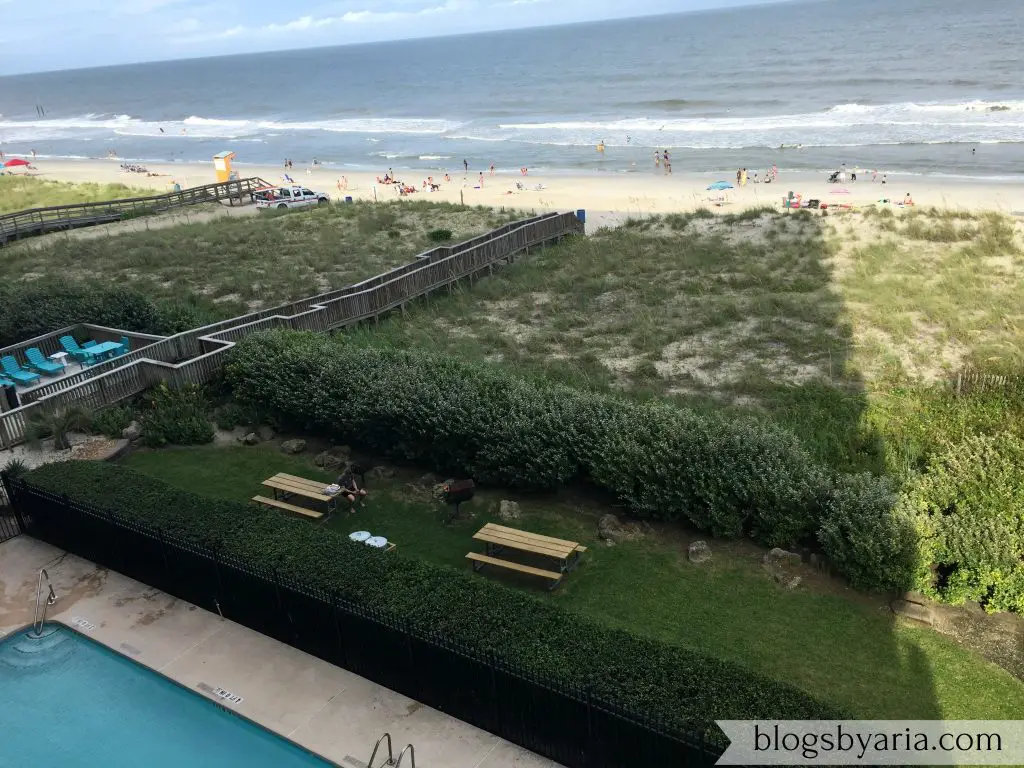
{"x":39,"y":617}
{"x":391,"y":755}
{"x":412,"y":753}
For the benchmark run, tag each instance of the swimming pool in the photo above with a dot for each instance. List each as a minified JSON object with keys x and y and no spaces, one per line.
{"x":66,"y":701}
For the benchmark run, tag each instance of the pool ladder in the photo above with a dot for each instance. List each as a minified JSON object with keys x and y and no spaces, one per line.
{"x":39,"y":615}
{"x":391,"y":755}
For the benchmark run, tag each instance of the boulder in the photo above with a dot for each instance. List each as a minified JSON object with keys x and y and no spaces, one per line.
{"x":781,"y":557}
{"x":250,"y":439}
{"x":614,"y":531}
{"x":509,"y":510}
{"x":699,"y":552}
{"x":911,"y":610}
{"x":265,"y":433}
{"x":786,"y":579}
{"x":293,"y":446}
{"x":132,"y":432}
{"x":330,"y":460}
{"x":428,"y":480}
{"x":381,"y":472}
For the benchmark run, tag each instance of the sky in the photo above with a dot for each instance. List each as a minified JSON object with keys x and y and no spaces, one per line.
{"x":37,"y":35}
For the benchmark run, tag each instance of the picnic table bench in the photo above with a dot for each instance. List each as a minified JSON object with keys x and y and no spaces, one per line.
{"x":497,"y":538}
{"x":286,"y":486}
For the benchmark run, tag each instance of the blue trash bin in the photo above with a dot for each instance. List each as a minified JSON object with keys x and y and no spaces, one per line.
{"x":581,"y":214}
{"x":348,"y":198}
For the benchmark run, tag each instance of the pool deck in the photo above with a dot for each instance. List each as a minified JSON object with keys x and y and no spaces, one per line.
{"x":324,"y":708}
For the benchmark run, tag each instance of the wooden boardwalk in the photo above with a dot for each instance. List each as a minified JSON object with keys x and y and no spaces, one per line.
{"x":196,"y":356}
{"x":38,"y":221}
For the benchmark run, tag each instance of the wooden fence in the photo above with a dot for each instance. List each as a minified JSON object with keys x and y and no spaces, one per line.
{"x":196,"y":356}
{"x":969,"y":381}
{"x":37,"y":221}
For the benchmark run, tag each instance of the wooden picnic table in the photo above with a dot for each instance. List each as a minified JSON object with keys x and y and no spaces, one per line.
{"x":499,"y":537}
{"x":285,"y":486}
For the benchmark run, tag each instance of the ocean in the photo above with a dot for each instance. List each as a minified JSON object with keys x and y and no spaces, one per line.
{"x":918,"y":86}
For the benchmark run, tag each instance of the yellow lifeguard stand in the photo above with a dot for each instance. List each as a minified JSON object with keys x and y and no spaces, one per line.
{"x":222,"y":164}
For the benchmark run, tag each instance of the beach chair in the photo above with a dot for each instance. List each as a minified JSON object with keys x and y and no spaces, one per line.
{"x":126,"y":347}
{"x":39,"y":363}
{"x":15,"y":371}
{"x":72,"y":348}
{"x":5,"y":382}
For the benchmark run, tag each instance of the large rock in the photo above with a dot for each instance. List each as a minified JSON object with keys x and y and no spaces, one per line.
{"x":265,"y":433}
{"x":132,"y":432}
{"x":781,"y":557}
{"x":787,"y":579}
{"x":911,"y":610}
{"x":509,"y":510}
{"x":331,"y":459}
{"x":614,"y":531}
{"x":293,"y":446}
{"x":250,"y":439}
{"x":699,"y":552}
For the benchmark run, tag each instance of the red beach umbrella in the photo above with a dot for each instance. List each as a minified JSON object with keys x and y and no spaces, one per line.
{"x":16,"y":161}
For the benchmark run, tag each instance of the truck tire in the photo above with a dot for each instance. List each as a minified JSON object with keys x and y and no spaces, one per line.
{"x":282,"y":205}
{"x":322,"y":201}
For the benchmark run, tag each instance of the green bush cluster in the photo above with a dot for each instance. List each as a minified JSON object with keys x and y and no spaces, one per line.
{"x":439,"y":235}
{"x":176,"y":417}
{"x":230,"y":415}
{"x":111,"y":421}
{"x":969,"y":507}
{"x":683,"y":687}
{"x":728,"y":476}
{"x":35,"y":308}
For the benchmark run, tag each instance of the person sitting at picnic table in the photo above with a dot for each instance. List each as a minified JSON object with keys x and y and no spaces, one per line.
{"x":350,"y":489}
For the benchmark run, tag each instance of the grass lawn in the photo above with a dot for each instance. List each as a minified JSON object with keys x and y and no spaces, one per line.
{"x":841,"y":646}
{"x":20,"y":192}
{"x":242,"y":263}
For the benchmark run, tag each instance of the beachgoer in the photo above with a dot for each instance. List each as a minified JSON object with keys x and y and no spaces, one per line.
{"x":481,"y":179}
{"x":739,"y":176}
{"x":874,"y":175}
{"x":756,"y":180}
{"x":447,"y":177}
{"x":657,"y":159}
{"x":600,"y":146}
{"x":743,"y":178}
{"x":908,"y":200}
{"x":33,"y":154}
{"x":161,"y":130}
{"x":492,"y":169}
{"x":885,"y":176}
{"x":524,"y":170}
{"x":465,"y":165}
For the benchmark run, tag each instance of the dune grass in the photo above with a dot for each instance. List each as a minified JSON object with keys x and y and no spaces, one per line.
{"x":19,"y":192}
{"x":245,"y":263}
{"x":842,"y":647}
{"x":805,"y":319}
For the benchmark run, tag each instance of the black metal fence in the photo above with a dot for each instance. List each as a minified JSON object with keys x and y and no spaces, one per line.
{"x":9,"y":527}
{"x":562,"y":723}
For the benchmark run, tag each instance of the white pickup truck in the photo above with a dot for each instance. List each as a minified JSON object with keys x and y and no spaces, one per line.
{"x":289,"y":196}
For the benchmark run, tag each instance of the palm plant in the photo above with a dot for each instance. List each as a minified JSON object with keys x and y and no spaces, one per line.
{"x":56,"y":422}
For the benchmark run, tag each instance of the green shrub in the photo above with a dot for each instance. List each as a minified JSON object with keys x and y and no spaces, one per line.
{"x":229,"y":416}
{"x":176,"y":417}
{"x":439,"y":235}
{"x":33,"y":308}
{"x":867,"y":537}
{"x":969,"y":505}
{"x":667,"y":682}
{"x":730,"y":477}
{"x":111,"y":421}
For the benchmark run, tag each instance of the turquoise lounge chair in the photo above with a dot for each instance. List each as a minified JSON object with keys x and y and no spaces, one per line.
{"x":126,"y":346}
{"x":37,"y":361}
{"x":5,"y":382}
{"x":16,"y":372}
{"x":72,"y":348}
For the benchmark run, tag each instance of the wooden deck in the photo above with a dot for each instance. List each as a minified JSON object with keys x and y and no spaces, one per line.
{"x":196,"y":356}
{"x":38,"y":221}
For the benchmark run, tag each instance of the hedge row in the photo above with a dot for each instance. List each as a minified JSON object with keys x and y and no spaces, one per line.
{"x":34,"y":308}
{"x":727,"y":476}
{"x":685,"y":688}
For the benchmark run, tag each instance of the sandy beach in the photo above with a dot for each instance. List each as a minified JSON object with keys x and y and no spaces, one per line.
{"x":606,"y":198}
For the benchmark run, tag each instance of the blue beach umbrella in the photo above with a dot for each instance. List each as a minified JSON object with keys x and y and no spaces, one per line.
{"x":721,"y":185}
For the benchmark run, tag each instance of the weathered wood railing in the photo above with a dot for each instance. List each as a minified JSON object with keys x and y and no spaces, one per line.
{"x":196,"y":356}
{"x":36,"y":221}
{"x":969,"y":381}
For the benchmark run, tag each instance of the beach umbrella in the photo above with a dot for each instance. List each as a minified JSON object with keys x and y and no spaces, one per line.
{"x":16,"y":161}
{"x":720,"y":185}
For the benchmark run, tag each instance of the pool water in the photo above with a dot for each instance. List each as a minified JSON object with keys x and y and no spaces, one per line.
{"x":66,"y":701}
